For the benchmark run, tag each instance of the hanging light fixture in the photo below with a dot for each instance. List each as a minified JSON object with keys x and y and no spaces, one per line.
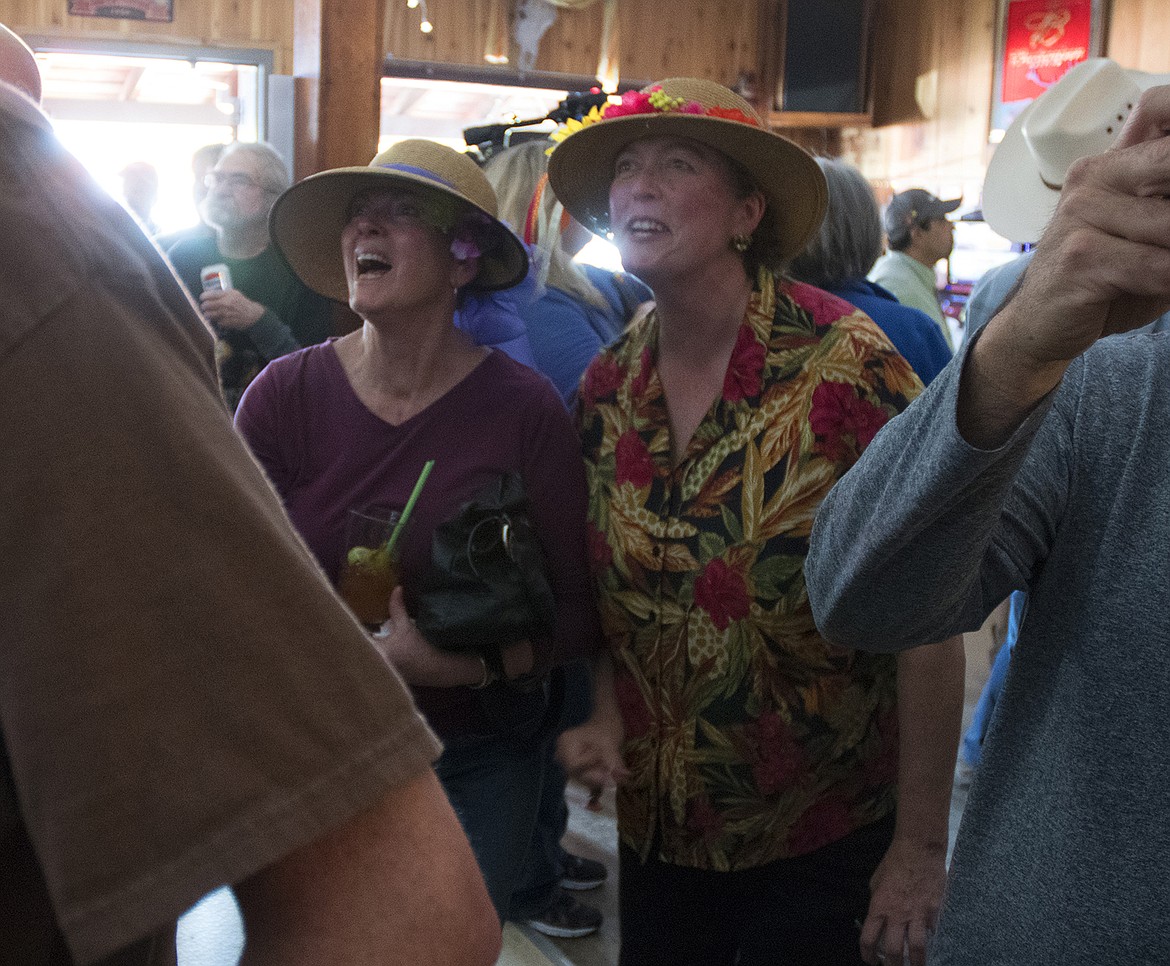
{"x":425,"y":24}
{"x":495,"y":48}
{"x":609,"y":66}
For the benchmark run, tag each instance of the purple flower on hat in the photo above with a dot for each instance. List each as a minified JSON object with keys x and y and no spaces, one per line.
{"x":471,"y":235}
{"x":464,"y":247}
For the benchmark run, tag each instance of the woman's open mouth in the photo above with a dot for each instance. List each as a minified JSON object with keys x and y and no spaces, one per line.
{"x":371,"y":266}
{"x":645,"y":228}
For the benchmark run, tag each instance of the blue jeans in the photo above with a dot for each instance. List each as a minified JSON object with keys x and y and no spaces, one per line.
{"x":493,"y":784}
{"x":542,"y":872}
{"x":972,"y":747}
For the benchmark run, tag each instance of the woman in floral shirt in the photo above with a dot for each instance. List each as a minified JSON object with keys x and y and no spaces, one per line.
{"x":781,"y":799}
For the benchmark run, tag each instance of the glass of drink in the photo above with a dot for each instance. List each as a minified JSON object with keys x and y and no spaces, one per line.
{"x":369,"y":570}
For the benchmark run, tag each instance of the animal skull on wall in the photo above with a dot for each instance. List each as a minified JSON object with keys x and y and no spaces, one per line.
{"x":533,"y":18}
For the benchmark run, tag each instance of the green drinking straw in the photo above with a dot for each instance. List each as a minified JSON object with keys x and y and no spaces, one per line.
{"x":422,"y":478}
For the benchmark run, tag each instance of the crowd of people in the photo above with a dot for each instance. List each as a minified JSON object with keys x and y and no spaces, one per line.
{"x":754,"y":506}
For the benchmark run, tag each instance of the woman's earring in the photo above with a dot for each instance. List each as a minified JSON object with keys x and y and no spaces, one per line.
{"x":741,"y":243}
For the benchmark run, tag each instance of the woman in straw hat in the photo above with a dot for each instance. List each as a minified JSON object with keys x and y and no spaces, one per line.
{"x":581,"y":308}
{"x":351,"y":423}
{"x":758,"y":821}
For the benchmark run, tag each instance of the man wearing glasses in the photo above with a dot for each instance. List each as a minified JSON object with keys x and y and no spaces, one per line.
{"x":258,"y":308}
{"x":919,"y":235}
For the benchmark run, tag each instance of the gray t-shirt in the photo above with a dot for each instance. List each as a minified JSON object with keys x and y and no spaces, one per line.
{"x":1061,"y":855}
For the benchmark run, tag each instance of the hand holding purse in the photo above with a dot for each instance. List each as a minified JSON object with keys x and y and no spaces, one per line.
{"x":487,"y":585}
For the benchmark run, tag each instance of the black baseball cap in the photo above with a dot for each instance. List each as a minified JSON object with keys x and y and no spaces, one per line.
{"x":914,"y":207}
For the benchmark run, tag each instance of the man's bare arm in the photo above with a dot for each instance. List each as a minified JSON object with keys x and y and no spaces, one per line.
{"x":907,"y":887}
{"x":396,"y":884}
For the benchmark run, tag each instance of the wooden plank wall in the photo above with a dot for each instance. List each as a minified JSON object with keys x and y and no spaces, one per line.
{"x":1139,"y":35}
{"x":932,"y":97}
{"x":260,"y":24}
{"x":933,"y":59}
{"x":705,"y":38}
{"x":715,"y":39}
{"x":935,"y":68}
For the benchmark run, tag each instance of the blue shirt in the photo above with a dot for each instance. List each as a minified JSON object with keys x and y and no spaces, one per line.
{"x":915,"y":334}
{"x":993,"y":288}
{"x":566,"y":334}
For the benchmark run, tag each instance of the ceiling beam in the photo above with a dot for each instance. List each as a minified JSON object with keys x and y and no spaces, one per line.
{"x":130,"y":83}
{"x":135,"y":112}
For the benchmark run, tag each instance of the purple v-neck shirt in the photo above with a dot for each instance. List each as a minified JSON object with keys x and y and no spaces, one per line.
{"x":326,"y":452}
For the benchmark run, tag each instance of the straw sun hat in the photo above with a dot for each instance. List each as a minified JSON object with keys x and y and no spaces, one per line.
{"x":307,"y":220}
{"x":581,"y":166}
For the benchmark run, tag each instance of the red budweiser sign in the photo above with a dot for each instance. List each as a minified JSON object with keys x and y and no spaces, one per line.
{"x":1043,"y":39}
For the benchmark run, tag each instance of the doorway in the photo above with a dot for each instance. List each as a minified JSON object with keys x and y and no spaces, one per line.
{"x":129,"y":110}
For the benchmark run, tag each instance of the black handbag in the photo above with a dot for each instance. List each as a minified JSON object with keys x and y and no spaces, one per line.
{"x":487,"y":585}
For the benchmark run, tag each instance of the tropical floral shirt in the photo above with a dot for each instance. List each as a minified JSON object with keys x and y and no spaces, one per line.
{"x":749,"y":737}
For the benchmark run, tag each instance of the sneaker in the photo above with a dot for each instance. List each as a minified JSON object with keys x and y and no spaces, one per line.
{"x":567,"y":918}
{"x":579,"y":873}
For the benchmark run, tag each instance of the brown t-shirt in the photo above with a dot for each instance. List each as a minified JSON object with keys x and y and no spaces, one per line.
{"x":183,"y":700}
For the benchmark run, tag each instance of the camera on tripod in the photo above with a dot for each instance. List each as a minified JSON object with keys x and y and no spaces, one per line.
{"x":489,"y":138}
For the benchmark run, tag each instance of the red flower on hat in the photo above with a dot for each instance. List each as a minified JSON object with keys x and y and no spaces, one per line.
{"x":838,"y":412}
{"x":634,"y":462}
{"x":652,"y":101}
{"x":722,"y":593}
{"x":745,"y":369}
{"x":603,"y":377}
{"x":732,"y":114}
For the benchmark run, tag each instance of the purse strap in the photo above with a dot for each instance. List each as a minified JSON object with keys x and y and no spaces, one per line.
{"x":501,"y":530}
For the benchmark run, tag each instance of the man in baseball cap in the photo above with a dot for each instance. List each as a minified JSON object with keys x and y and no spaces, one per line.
{"x":919,"y":235}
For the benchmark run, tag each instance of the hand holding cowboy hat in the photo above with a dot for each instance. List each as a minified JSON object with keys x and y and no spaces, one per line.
{"x":1079,"y":116}
{"x":1103,"y":265}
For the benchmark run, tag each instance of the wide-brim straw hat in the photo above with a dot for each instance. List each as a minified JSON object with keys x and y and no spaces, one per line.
{"x":307,"y":220}
{"x":1077,"y":117}
{"x":581,"y":167}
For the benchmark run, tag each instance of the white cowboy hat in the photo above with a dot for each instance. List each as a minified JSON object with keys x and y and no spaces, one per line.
{"x":1079,"y":116}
